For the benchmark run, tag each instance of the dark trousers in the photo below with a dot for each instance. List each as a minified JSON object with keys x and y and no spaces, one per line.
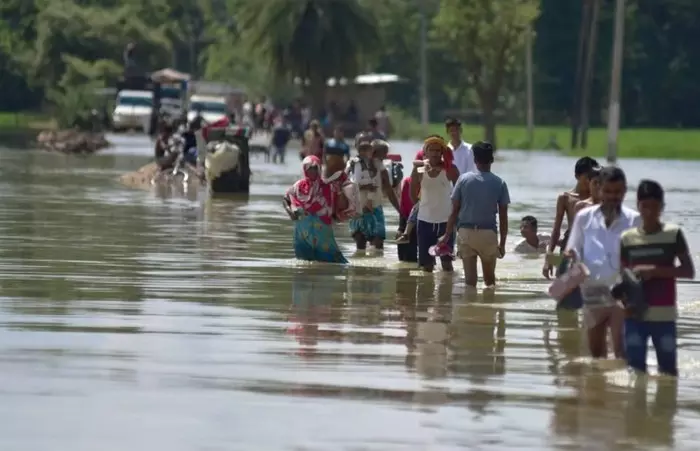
{"x":663,"y":337}
{"x":408,"y":252}
{"x":278,"y":152}
{"x":428,"y":234}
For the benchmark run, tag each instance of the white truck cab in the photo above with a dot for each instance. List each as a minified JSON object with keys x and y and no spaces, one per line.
{"x":133,"y":110}
{"x":211,"y":108}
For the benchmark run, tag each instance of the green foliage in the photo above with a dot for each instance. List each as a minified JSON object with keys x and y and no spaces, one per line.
{"x":486,"y":38}
{"x":406,"y":126}
{"x":90,"y":33}
{"x":74,"y":96}
{"x":73,"y":106}
{"x":475,"y":55}
{"x":310,"y":39}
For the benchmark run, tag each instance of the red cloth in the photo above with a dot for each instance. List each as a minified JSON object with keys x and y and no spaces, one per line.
{"x":313,"y":195}
{"x":405,"y":202}
{"x":223,"y":122}
{"x":447,"y":158}
{"x":337,"y":190}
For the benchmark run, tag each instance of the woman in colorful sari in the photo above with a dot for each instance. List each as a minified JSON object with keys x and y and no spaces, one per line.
{"x":372,"y":179}
{"x":310,"y":202}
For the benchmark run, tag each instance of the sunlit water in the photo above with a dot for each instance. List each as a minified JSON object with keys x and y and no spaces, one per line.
{"x":131,"y":321}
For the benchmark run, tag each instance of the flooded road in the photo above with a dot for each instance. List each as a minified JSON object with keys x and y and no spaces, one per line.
{"x":133,"y":321}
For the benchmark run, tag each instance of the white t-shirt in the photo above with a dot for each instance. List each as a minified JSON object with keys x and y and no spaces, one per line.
{"x":363,"y":178}
{"x":464,"y":157}
{"x":598,"y":247}
{"x":523,"y":247}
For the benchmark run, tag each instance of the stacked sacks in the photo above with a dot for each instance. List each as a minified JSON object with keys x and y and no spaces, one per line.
{"x":221,"y":157}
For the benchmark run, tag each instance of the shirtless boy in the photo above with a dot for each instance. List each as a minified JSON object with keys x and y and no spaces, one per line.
{"x":594,"y":189}
{"x":566,"y":204}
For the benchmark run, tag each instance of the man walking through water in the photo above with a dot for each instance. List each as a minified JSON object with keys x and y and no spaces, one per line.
{"x":566,"y":205}
{"x":651,"y":251}
{"x":461,"y":150}
{"x":476,"y":200}
{"x":281,"y":135}
{"x":595,"y":241}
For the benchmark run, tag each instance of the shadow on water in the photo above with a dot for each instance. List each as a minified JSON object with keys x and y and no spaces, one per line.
{"x":187,"y":323}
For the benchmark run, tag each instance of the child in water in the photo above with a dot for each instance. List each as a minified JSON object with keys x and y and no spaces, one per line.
{"x":372,"y":179}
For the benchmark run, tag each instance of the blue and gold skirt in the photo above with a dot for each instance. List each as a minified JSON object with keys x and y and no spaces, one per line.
{"x":315,"y":241}
{"x":370,"y":224}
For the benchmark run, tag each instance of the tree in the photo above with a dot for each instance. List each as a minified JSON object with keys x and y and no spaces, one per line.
{"x":310,"y":39}
{"x":487,"y":38}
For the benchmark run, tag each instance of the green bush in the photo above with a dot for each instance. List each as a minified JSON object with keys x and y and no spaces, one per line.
{"x":404,"y":125}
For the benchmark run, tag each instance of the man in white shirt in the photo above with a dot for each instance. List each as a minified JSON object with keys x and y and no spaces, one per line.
{"x":595,"y":241}
{"x":462,"y":151}
{"x":533,"y":242}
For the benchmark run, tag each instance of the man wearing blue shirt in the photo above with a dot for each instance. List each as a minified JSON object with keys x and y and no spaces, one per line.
{"x":476,"y":200}
{"x":337,"y":144}
{"x":336,"y":152}
{"x":281,"y":135}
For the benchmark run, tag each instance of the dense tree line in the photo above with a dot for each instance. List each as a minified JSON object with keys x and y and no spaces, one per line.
{"x":57,"y":52}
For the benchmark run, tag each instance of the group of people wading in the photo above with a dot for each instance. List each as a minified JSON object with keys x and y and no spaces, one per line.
{"x":451,"y":195}
{"x":633,"y":259}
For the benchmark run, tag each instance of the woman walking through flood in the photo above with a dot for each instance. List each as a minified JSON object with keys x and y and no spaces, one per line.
{"x":311,"y":202}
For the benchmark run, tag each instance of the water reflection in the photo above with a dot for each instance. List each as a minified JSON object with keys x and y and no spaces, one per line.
{"x":221,"y":217}
{"x":608,"y":417}
{"x":405,"y":295}
{"x":479,"y":336}
{"x":563,"y":343}
{"x":433,"y":310}
{"x":365,"y":297}
{"x":168,"y":312}
{"x":651,"y":423}
{"x":316,"y":295}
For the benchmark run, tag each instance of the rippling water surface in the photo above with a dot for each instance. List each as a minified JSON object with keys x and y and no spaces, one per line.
{"x":132,"y":320}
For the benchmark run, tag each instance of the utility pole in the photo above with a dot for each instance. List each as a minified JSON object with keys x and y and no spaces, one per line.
{"x":530,"y":96}
{"x":580,"y":60}
{"x":616,"y":81}
{"x":424,"y":119}
{"x":588,"y":73}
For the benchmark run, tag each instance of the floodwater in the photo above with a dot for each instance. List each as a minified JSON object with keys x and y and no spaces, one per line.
{"x":135,"y":321}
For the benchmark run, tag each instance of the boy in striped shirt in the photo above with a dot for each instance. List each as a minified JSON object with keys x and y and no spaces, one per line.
{"x":651,"y":251}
